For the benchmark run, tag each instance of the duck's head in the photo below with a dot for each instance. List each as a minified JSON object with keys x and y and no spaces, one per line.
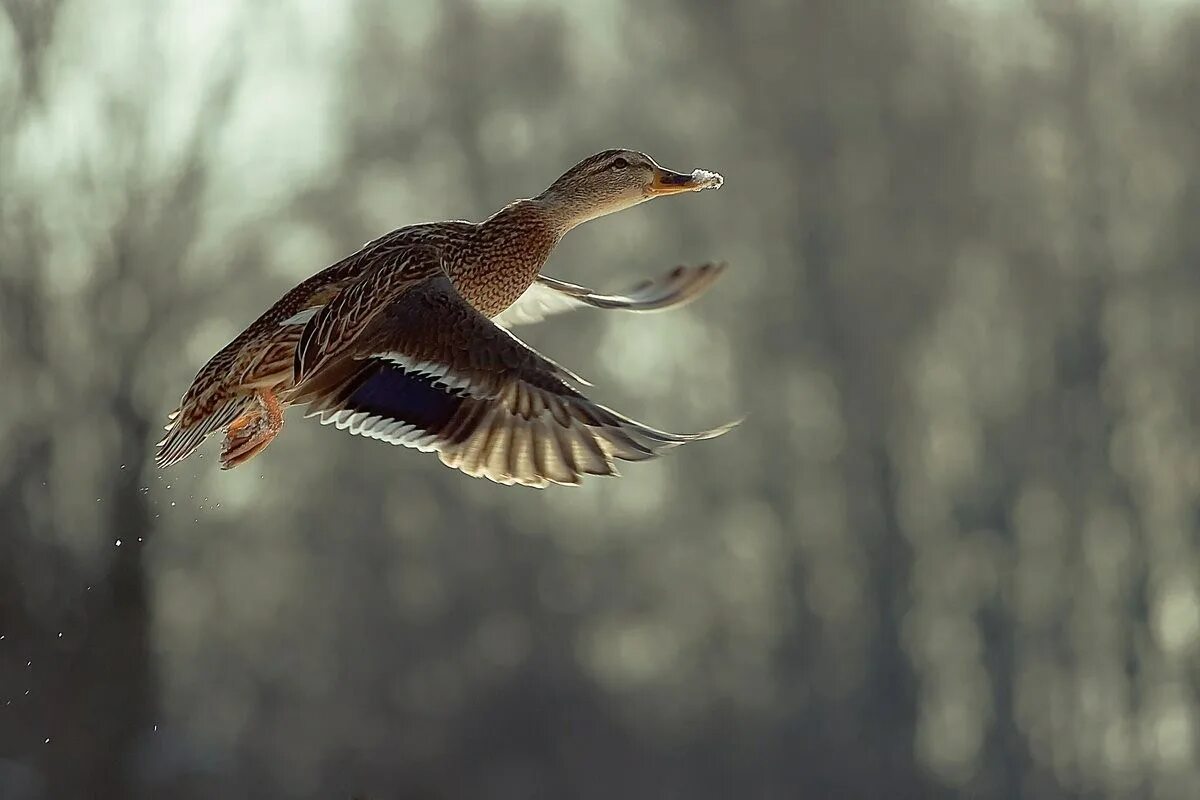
{"x":615,"y":179}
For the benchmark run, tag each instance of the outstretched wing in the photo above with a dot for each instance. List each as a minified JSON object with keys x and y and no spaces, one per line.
{"x":548,"y":296}
{"x":433,"y":374}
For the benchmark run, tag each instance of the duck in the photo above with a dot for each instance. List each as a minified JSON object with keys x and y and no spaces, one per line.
{"x":409,"y":341}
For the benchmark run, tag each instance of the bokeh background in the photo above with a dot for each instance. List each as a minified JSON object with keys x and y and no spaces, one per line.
{"x":952,"y":552}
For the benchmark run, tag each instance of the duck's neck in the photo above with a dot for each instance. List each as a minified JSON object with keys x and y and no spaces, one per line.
{"x":564,"y":209}
{"x":530,"y":217}
{"x":525,"y":227}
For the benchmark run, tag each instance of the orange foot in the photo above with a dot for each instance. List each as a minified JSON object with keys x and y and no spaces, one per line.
{"x":250,"y":433}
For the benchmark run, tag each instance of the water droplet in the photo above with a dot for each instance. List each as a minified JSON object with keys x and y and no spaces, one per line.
{"x":172,"y":504}
{"x":139,"y":539}
{"x":118,"y":542}
{"x":122,"y":466}
{"x":156,"y":728}
{"x":47,"y":740}
{"x":60,"y":634}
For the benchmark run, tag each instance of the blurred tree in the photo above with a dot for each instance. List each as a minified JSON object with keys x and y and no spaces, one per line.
{"x":95,"y":296}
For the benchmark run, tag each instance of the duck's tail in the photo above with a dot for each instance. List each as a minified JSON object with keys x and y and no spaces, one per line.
{"x":189,"y":426}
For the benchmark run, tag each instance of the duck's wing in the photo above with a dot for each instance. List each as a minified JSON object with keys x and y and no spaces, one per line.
{"x":434,"y":374}
{"x":334,"y":328}
{"x":548,"y":296}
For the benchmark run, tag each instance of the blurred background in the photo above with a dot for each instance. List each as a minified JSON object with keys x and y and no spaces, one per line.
{"x":952,"y":552}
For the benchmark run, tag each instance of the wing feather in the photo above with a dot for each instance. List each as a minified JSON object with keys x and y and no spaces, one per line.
{"x":433,"y":374}
{"x":549,"y":296}
{"x":335,"y":326}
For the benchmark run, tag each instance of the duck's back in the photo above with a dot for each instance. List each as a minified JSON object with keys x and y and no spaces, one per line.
{"x":262,"y":354}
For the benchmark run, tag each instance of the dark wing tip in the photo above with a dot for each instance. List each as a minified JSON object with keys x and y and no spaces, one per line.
{"x":675,"y":288}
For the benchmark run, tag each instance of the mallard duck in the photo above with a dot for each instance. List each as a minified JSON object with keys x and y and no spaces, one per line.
{"x":408,"y":341}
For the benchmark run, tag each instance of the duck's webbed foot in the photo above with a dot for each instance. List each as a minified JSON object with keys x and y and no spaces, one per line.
{"x":250,"y":433}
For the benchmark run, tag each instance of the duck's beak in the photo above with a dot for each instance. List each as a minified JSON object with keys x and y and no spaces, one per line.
{"x":667,"y":182}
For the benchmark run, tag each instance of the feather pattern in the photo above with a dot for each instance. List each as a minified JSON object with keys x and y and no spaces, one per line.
{"x":335,"y":326}
{"x":180,"y":440}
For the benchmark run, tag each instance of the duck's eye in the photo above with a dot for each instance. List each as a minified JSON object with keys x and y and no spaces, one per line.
{"x":619,"y":163}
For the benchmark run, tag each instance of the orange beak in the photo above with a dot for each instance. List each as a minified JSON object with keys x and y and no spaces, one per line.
{"x":667,"y":182}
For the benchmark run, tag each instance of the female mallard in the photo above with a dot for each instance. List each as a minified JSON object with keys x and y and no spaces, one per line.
{"x":406,"y":341}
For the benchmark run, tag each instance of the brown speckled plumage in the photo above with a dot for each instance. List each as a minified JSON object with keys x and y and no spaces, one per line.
{"x":402,"y":326}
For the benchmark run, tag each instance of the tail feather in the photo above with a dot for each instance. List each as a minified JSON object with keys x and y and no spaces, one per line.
{"x":181,"y":440}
